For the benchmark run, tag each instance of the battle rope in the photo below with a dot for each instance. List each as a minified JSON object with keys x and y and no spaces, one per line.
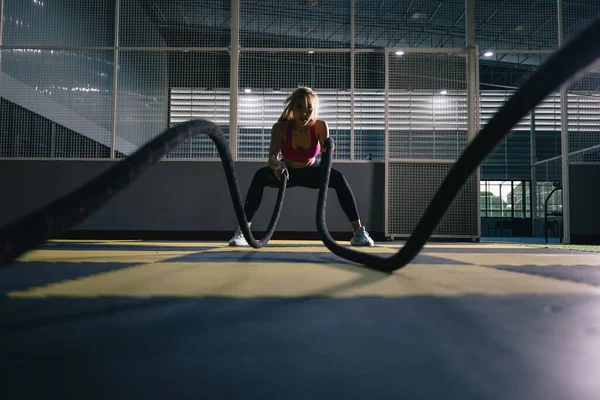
{"x":51,"y":221}
{"x":54,"y":219}
{"x":578,"y":53}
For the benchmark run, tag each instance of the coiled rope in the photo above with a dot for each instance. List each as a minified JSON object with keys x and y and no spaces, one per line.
{"x":52,"y":220}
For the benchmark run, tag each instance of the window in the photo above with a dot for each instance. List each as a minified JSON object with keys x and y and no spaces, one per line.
{"x":505,"y":199}
{"x":543,"y":190}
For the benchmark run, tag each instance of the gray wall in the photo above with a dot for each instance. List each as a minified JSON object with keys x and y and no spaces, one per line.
{"x":584,"y":198}
{"x":184,"y":196}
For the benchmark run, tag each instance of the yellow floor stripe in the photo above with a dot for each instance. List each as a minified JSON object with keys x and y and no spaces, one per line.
{"x":503,"y":259}
{"x":299,"y":249}
{"x":290,"y":243}
{"x":459,"y":245}
{"x":245,"y":280}
{"x":100,"y":256}
{"x":183,"y":245}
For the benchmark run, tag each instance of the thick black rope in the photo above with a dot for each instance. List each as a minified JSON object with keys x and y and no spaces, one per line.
{"x":577,"y":54}
{"x":54,"y":219}
{"x":51,"y":221}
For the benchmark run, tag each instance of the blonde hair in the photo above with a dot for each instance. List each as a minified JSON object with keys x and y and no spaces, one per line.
{"x":300,"y":93}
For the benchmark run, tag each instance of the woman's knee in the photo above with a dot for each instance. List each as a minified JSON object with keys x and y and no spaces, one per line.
{"x":262,"y":175}
{"x":337,"y":179}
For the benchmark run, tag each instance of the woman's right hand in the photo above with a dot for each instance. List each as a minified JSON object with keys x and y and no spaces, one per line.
{"x":281,"y":169}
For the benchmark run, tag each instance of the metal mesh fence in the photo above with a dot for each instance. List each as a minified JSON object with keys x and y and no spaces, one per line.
{"x":196,"y":86}
{"x":409,"y":23}
{"x":267,"y":79}
{"x":427,"y":111}
{"x":369,"y":106}
{"x":175,"y":23}
{"x":548,"y":200}
{"x":516,"y":25}
{"x":141,"y":98}
{"x":58,"y":23}
{"x":298,"y":24}
{"x":576,"y":14}
{"x":412,"y":185}
{"x":584,"y":117}
{"x":427,"y":131}
{"x":187,"y":103}
{"x":357,"y":111}
{"x":47,"y":89}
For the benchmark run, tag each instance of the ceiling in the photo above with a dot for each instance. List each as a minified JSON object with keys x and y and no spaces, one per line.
{"x":500,"y":25}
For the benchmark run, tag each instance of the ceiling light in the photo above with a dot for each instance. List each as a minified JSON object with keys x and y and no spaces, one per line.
{"x":311,"y":52}
{"x":399,"y":53}
{"x":488,"y":54}
{"x":247,"y":90}
{"x":443,"y":92}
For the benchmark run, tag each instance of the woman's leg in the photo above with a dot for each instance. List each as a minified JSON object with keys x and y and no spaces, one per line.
{"x":311,"y":177}
{"x":345,"y":196}
{"x":262,"y":178}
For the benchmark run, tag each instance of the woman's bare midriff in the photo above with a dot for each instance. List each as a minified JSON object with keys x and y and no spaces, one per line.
{"x":298,"y":164}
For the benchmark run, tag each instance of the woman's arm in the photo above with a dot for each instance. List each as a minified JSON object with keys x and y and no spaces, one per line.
{"x":322,"y":133}
{"x":274,"y":149}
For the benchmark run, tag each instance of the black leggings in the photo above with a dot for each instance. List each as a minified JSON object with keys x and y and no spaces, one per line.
{"x":309,"y":177}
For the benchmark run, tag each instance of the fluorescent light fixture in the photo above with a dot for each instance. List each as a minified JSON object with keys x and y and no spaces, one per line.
{"x":311,"y":52}
{"x":247,"y":90}
{"x":399,"y":53}
{"x":488,"y":54}
{"x":443,"y":92}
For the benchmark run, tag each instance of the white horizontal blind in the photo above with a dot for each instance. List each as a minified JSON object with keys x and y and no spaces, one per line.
{"x":426,"y":125}
{"x":189,"y":103}
{"x":438,"y":118}
{"x":547,"y":113}
{"x":369,"y":125}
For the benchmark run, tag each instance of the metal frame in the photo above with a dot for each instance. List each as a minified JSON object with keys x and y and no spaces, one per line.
{"x":113,"y":140}
{"x":386,"y":144}
{"x":472,"y":78}
{"x":352,"y":80}
{"x":234,"y":77}
{"x":1,"y":29}
{"x":471,"y":52}
{"x":564,"y":138}
{"x":533,"y":172}
{"x":472,"y":92}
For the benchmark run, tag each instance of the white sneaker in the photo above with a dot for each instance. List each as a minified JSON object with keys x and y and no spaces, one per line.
{"x":361,"y":238}
{"x":238,"y":239}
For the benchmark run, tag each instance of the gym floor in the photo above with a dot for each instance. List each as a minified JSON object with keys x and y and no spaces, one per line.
{"x":150,"y":319}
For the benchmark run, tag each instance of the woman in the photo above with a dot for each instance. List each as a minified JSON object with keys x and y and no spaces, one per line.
{"x":299,"y":136}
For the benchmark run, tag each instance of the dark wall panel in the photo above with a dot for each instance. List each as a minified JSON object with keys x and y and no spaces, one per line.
{"x":184,"y":196}
{"x":584,"y":198}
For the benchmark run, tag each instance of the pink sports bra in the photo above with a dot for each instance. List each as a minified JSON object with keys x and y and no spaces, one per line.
{"x":300,"y":154}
